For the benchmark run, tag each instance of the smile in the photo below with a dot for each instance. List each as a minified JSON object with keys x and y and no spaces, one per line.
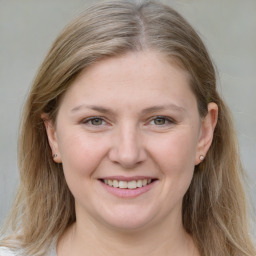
{"x":133,"y":184}
{"x":128,"y":187}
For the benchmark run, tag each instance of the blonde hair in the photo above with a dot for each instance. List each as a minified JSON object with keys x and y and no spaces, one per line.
{"x":214,"y":209}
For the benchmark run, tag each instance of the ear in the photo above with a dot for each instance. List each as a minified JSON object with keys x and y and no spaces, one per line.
{"x":51,"y":134}
{"x":207,"y":129}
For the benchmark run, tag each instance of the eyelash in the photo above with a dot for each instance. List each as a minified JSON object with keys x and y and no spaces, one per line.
{"x":90,"y":119}
{"x":167,"y":121}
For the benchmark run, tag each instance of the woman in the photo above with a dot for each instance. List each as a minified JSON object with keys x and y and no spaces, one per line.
{"x":126,"y":146}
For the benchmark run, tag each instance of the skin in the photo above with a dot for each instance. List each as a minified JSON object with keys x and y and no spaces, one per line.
{"x":147,"y":124}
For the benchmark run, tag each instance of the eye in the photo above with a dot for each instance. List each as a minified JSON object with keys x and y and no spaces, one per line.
{"x":161,"y":121}
{"x":94,"y":121}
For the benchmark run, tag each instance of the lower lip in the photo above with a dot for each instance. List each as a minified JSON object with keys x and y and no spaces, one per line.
{"x":128,"y":193}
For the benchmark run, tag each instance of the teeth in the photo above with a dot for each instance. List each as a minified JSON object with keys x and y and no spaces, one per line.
{"x":132,"y":184}
{"x":115,"y":183}
{"x":139,"y":183}
{"x":123,"y":184}
{"x":128,"y":184}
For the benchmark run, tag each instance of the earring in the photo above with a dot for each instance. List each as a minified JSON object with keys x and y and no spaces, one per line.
{"x":54,"y":156}
{"x":201,"y":157}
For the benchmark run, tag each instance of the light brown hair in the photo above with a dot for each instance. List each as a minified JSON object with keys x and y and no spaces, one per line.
{"x":214,"y":209}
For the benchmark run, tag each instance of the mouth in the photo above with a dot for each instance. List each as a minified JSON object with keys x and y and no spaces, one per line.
{"x":128,"y":187}
{"x":127,"y":184}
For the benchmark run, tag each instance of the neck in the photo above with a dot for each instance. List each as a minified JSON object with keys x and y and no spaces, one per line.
{"x":98,"y":240}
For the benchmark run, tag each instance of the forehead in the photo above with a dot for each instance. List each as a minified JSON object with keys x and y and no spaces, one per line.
{"x":136,"y":77}
{"x":143,"y":64}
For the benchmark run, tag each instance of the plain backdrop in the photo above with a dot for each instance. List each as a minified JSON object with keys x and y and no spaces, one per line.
{"x":28,"y":28}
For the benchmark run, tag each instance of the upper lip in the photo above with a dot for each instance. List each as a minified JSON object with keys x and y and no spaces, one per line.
{"x":124,"y":178}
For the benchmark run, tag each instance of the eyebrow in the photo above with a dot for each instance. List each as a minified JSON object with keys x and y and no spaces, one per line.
{"x":93,"y":107}
{"x":163,"y":107}
{"x":152,"y":109}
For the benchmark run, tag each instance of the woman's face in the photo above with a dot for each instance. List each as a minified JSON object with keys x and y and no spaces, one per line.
{"x":131,"y":122}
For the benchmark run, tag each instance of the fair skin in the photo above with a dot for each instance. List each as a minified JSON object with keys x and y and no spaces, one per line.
{"x":126,"y":121}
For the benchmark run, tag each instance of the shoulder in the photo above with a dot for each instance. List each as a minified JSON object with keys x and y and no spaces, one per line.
{"x":4,"y":251}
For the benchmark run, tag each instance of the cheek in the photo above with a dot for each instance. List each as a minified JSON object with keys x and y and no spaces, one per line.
{"x":175,"y":156}
{"x":177,"y":166}
{"x":177,"y":149}
{"x":81,"y":154}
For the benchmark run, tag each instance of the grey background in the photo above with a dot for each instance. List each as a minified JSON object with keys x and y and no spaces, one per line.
{"x":28,"y":27}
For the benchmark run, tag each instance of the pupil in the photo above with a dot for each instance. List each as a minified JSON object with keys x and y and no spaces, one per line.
{"x":159,"y":121}
{"x":96,"y":121}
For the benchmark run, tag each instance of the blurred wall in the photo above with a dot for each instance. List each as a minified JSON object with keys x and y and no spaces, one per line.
{"x":28,"y":27}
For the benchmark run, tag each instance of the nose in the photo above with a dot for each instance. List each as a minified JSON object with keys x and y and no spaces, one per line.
{"x":127,"y":147}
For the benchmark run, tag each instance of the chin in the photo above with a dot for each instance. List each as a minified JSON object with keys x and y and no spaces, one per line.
{"x":127,"y":220}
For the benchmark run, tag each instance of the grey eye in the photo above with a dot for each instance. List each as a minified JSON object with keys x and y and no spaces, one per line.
{"x":159,"y":121}
{"x":96,"y":121}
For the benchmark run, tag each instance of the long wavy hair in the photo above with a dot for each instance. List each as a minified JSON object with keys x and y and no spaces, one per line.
{"x":214,"y":209}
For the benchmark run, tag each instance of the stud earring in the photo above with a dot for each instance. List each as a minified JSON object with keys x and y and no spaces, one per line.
{"x":54,"y":156}
{"x":201,"y":157}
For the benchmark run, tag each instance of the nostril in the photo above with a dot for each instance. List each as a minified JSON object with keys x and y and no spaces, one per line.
{"x":127,"y":152}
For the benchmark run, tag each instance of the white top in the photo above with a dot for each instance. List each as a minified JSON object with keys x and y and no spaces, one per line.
{"x":7,"y":252}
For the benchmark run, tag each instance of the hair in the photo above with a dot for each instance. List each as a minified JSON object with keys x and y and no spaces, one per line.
{"x":214,"y":207}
